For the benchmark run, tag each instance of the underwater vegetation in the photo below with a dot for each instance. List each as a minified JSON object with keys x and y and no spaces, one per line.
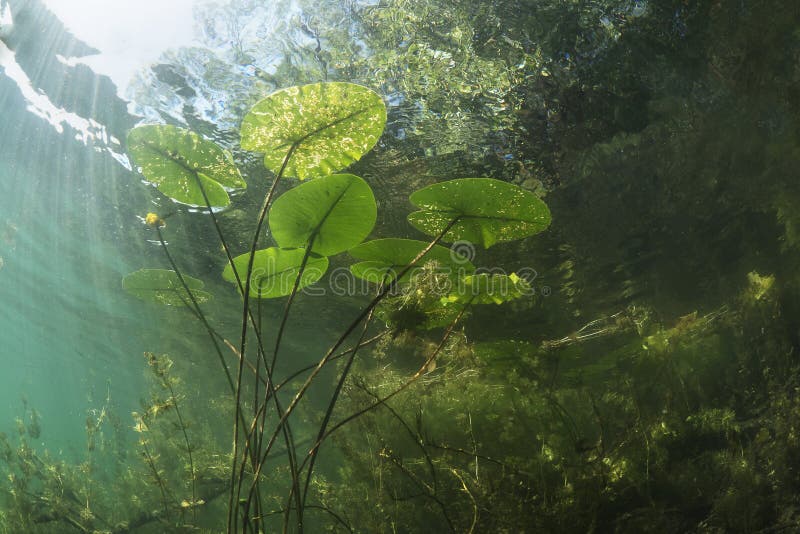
{"x":309,"y":132}
{"x":453,"y":399}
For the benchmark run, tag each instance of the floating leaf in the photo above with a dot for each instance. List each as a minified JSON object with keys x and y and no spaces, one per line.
{"x":275,"y":271}
{"x":178,"y":161}
{"x":337,"y":211}
{"x":488,"y":211}
{"x":488,"y":288}
{"x":384,"y":258}
{"x":326,"y":126}
{"x":164,"y":286}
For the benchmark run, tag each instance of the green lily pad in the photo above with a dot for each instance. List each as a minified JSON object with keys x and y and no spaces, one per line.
{"x":275,"y":271}
{"x":486,"y":288}
{"x":164,"y":287}
{"x":326,"y":126}
{"x":337,"y":212}
{"x":384,"y":258}
{"x":177,"y":161}
{"x":488,"y":211}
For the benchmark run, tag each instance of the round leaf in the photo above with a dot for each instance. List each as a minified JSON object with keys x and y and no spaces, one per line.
{"x":177,"y":161}
{"x":164,"y":287}
{"x":488,"y":211}
{"x":337,"y":212}
{"x":275,"y":271}
{"x":384,"y":258}
{"x":326,"y":126}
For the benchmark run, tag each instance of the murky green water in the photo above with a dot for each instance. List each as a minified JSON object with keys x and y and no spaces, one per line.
{"x":637,"y":370}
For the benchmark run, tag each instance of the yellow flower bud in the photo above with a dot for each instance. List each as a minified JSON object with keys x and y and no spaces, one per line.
{"x":153,"y":220}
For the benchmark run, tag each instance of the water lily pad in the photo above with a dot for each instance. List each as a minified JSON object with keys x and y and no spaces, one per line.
{"x":164,"y":287}
{"x":384,"y":258}
{"x":326,"y":126}
{"x":337,"y":212}
{"x":488,"y":211}
{"x":275,"y":271}
{"x":178,"y":162}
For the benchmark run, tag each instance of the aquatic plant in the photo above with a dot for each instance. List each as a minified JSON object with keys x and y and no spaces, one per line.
{"x":657,"y":391}
{"x":115,"y":488}
{"x":311,"y":132}
{"x":624,"y":424}
{"x":597,"y":431}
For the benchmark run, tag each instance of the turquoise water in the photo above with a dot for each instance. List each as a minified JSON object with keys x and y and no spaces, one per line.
{"x":646,"y":382}
{"x":68,"y":332}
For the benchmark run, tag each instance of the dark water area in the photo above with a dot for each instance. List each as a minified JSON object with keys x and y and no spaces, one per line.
{"x":637,"y":372}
